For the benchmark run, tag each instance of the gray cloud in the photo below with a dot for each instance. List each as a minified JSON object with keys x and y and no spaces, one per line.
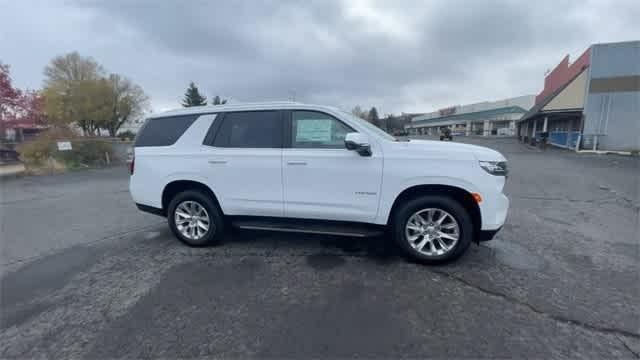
{"x":399,"y":56}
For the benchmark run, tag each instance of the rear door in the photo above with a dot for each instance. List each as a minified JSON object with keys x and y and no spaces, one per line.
{"x":244,"y":163}
{"x":324,"y":180}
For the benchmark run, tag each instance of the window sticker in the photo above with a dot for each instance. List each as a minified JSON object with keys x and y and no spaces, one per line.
{"x":313,"y":130}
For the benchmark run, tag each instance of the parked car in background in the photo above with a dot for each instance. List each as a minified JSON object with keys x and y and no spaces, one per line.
{"x":314,"y":169}
{"x":445,"y":134}
{"x":505,"y":132}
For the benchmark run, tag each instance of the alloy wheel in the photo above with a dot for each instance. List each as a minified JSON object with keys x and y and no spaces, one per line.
{"x":432,"y":232}
{"x":192,"y":220}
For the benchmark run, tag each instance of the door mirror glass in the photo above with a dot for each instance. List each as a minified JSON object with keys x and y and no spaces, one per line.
{"x":358,"y":142}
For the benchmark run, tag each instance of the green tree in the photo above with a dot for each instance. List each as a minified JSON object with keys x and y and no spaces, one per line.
{"x":93,"y":101}
{"x":218,"y":101}
{"x":192,"y":97}
{"x":86,"y":104}
{"x":373,"y":117}
{"x":78,"y":92}
{"x":75,"y":92}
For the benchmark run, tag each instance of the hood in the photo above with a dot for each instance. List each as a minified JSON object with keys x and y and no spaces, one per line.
{"x":481,"y":153}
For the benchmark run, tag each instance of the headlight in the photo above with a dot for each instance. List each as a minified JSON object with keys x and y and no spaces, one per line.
{"x":498,"y":168}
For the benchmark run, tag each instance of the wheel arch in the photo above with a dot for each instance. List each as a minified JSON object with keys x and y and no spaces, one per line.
{"x":177,"y":186}
{"x":459,"y":194}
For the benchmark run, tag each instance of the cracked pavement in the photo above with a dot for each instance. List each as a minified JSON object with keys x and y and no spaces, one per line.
{"x":85,"y":275}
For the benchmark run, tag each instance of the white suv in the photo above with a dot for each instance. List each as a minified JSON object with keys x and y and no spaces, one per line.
{"x":294,"y":167}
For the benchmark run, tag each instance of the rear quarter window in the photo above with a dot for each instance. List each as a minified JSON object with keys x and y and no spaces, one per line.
{"x":163,"y":131}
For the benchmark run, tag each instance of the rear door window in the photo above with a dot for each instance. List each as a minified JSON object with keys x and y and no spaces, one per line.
{"x":164,"y":131}
{"x":250,"y":129}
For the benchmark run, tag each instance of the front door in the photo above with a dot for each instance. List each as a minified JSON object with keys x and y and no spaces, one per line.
{"x":324,"y":180}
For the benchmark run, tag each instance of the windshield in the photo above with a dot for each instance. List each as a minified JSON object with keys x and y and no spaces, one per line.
{"x":370,"y":126}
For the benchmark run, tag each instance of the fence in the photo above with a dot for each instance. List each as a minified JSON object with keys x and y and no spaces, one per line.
{"x":49,"y":153}
{"x":566,"y":139}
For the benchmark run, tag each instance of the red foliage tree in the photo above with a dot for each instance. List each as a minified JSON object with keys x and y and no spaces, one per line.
{"x":18,"y":108}
{"x":8,"y":94}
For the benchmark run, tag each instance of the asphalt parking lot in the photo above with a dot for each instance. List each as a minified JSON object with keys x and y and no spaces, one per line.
{"x":84,"y":274}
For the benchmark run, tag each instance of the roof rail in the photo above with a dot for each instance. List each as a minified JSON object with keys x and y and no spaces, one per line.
{"x":226,"y":107}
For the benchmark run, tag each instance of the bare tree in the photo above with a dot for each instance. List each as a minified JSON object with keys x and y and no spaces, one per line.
{"x":357,"y":111}
{"x":128,"y":102}
{"x":63,"y":70}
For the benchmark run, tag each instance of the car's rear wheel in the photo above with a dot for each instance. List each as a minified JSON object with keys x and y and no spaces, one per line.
{"x":195,"y":219}
{"x":433,"y":229}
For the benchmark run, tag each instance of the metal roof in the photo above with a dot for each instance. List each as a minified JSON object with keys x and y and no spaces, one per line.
{"x":475,"y":115}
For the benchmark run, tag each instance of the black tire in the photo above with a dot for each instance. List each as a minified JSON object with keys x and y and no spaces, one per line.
{"x":441,"y":138}
{"x":215,"y":232}
{"x":451,"y":206}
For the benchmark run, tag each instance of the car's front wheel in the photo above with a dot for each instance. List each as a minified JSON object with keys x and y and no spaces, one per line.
{"x":195,"y":219}
{"x":433,"y":229}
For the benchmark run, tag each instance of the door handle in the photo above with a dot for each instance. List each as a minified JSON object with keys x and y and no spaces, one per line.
{"x":296,"y":163}
{"x":217,"y":161}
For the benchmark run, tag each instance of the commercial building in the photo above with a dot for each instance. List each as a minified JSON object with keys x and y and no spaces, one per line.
{"x":592,"y":103}
{"x":484,"y":118}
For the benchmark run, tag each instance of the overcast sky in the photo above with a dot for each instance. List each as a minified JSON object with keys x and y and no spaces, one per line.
{"x":411,"y":56}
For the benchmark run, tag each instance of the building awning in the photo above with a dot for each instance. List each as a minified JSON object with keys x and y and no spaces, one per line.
{"x":478,"y":115}
{"x":543,"y":107}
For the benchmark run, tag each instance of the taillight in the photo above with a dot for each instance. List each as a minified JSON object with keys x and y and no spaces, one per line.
{"x":132,"y":165}
{"x":131,"y":161}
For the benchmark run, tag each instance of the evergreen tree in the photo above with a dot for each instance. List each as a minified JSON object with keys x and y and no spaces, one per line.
{"x":192,"y":97}
{"x":373,"y":117}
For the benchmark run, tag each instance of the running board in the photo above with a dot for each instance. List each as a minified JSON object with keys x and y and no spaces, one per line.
{"x":311,"y":227}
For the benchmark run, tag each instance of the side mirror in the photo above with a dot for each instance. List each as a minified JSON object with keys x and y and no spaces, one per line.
{"x":358,"y":142}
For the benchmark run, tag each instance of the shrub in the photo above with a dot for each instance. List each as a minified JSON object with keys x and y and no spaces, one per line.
{"x":127,"y":135}
{"x":85,"y":152}
{"x":36,"y":152}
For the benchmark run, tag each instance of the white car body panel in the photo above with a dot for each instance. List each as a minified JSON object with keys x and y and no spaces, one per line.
{"x":329,"y":184}
{"x":247,"y":181}
{"x":420,"y":162}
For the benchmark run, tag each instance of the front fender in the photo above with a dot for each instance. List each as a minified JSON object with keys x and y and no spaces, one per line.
{"x":390,"y":195}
